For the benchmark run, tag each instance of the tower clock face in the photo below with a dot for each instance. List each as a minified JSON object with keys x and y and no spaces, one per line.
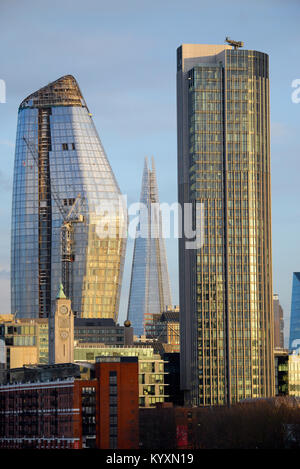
{"x":63,"y":310}
{"x":64,"y":335}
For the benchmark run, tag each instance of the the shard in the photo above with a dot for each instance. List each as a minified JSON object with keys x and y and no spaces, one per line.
{"x":150,"y":291}
{"x":63,"y":189}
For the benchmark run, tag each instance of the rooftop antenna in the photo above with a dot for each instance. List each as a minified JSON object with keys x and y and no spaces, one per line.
{"x":235,"y":44}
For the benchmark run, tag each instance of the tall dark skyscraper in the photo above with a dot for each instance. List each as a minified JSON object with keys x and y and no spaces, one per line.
{"x":294,"y":340}
{"x":226,"y":297}
{"x":278,"y":323}
{"x":150,"y":291}
{"x":59,"y":156}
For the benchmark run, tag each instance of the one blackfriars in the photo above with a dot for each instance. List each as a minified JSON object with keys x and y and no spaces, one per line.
{"x":64,"y":196}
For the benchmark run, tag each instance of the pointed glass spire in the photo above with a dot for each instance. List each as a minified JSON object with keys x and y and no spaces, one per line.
{"x":150,"y":291}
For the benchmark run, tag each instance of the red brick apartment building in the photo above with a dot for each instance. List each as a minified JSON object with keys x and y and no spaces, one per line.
{"x":119,"y":403}
{"x":52,"y":407}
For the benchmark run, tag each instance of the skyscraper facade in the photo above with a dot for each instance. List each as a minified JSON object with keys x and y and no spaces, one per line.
{"x":150,"y":291}
{"x":294,"y":340}
{"x":226,"y":304}
{"x":61,"y":169}
{"x":278,"y":323}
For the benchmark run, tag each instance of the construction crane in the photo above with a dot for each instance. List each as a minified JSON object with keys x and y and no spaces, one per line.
{"x":67,"y":228}
{"x":67,"y":246}
{"x":235,"y":44}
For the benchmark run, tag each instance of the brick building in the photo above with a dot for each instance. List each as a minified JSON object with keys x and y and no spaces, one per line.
{"x":53,"y":407}
{"x":118,"y":402}
{"x":152,"y":387}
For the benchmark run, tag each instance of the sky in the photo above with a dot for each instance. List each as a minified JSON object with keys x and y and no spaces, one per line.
{"x":123,"y":55}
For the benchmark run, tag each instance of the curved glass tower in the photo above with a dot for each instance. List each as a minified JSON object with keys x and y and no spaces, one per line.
{"x":226,"y":294}
{"x":62,"y":173}
{"x":150,"y":286}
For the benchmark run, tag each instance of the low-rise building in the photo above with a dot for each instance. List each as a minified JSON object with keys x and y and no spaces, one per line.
{"x":287,"y":373}
{"x":26,"y":341}
{"x":101,"y":330}
{"x":51,"y":406}
{"x":152,"y":385}
{"x":27,"y":338}
{"x":294,"y":375}
{"x":281,"y":368}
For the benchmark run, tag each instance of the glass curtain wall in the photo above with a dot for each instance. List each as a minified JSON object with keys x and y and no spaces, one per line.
{"x":150,"y":291}
{"x":61,"y":159}
{"x":226,"y":286}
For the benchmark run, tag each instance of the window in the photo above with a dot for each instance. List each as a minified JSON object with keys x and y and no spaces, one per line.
{"x":88,"y":396}
{"x":113,"y":377}
{"x":113,"y":442}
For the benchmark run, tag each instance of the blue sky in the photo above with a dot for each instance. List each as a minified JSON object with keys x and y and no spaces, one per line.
{"x":123,"y":54}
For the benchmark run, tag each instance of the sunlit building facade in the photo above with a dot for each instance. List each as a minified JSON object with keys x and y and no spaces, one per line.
{"x":61,"y":170}
{"x":150,"y":291}
{"x":152,"y":386}
{"x":164,"y":328}
{"x":226,"y":303}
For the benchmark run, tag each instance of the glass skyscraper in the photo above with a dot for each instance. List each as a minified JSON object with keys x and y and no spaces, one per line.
{"x":58,"y":156}
{"x":226,"y":303}
{"x":150,"y":291}
{"x":294,"y":340}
